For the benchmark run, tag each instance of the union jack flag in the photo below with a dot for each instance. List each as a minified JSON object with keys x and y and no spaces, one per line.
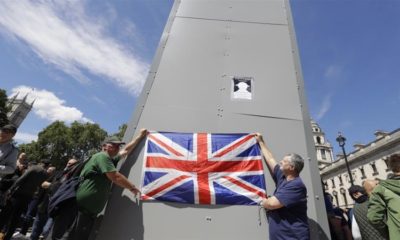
{"x":202,"y":168}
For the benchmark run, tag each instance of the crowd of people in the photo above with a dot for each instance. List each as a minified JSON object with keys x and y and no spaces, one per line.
{"x":30,"y":196}
{"x":376,"y":211}
{"x":30,"y":193}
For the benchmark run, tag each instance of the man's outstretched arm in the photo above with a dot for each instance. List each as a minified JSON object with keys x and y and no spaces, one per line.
{"x":268,"y":157}
{"x":122,"y":181}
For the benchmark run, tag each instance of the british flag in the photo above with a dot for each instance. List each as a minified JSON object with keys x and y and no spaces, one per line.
{"x":203,"y":168}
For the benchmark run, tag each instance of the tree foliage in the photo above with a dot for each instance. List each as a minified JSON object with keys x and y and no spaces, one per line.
{"x":87,"y":139}
{"x":59,"y":142}
{"x":121,"y":131}
{"x":3,"y":108}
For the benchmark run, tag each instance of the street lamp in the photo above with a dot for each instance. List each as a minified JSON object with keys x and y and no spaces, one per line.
{"x":342,"y":141}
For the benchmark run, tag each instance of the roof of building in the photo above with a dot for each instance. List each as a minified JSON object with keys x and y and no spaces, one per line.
{"x":370,"y":148}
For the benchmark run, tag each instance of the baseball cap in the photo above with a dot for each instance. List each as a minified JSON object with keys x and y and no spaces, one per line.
{"x":9,"y":128}
{"x":113,"y":140}
{"x":45,"y":161}
{"x":356,"y":188}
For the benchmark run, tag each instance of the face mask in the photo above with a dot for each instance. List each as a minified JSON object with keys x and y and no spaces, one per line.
{"x":362,"y":199}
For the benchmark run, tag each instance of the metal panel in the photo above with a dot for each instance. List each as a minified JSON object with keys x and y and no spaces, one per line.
{"x":263,"y":52}
{"x":203,"y":46}
{"x":256,"y":11}
{"x":188,"y":72}
{"x":219,"y":54}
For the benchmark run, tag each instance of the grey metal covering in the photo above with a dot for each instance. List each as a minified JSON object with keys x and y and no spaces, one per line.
{"x":206,"y":43}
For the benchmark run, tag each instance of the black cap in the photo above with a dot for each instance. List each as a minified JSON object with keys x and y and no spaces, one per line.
{"x":356,"y":188}
{"x":9,"y":128}
{"x":45,"y":162}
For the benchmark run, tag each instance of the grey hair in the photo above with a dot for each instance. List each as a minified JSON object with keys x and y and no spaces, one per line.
{"x":296,"y":161}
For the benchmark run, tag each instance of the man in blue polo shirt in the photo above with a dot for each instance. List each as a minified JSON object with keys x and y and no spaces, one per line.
{"x":287,"y":208}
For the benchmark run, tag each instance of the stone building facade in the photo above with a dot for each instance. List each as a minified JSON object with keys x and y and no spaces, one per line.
{"x":366,"y":161}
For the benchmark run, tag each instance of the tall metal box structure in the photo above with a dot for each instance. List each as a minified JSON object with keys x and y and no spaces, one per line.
{"x":222,"y":66}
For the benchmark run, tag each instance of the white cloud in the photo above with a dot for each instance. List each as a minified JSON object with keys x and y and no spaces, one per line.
{"x":61,"y":34}
{"x":48,"y":106}
{"x":22,"y":137}
{"x":325,"y":106}
{"x":333,"y":71}
{"x":98,"y":100}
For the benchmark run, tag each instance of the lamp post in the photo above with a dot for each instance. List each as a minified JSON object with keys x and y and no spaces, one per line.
{"x":342,"y":141}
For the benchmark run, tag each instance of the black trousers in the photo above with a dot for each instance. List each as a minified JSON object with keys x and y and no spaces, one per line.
{"x":82,"y":226}
{"x":11,"y":213}
{"x":63,"y":221}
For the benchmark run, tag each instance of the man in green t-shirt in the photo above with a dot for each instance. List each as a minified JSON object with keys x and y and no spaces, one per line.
{"x":99,"y":173}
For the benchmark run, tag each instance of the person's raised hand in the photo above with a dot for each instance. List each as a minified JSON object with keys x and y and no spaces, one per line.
{"x":259,"y":137}
{"x":143,"y":132}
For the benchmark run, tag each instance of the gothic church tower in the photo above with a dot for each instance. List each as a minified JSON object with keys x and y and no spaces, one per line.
{"x":19,"y":110}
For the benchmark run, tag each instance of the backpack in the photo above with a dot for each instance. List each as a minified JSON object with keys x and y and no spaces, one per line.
{"x":65,"y":193}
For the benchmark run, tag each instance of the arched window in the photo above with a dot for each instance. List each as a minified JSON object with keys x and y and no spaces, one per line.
{"x":318,"y":140}
{"x":374,"y":169}
{"x":386,"y":159}
{"x":362,"y":172}
{"x":325,"y":185}
{"x":323,"y":154}
{"x":335,"y":195}
{"x":343,"y":192}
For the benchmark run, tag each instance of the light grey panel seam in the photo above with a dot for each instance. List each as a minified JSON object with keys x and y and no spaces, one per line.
{"x":227,"y":20}
{"x":265,"y":116}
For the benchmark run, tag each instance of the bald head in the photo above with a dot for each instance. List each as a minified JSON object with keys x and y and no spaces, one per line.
{"x":21,"y":161}
{"x":71,"y":162}
{"x":369,"y":185}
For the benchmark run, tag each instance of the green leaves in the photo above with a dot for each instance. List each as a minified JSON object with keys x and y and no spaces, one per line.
{"x":3,"y":108}
{"x":59,"y":142}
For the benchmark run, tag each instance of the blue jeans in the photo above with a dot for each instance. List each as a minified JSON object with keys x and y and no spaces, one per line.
{"x":47,"y":227}
{"x":28,"y":216}
{"x":38,"y":224}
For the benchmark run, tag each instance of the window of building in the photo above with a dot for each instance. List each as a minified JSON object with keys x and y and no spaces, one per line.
{"x":386,"y":159}
{"x":323,"y":154}
{"x":335,"y":195}
{"x":362,"y":172}
{"x":333,"y":182}
{"x":347,"y":177}
{"x":340,"y":180}
{"x":319,"y":140}
{"x":343,"y":192}
{"x":374,"y":169}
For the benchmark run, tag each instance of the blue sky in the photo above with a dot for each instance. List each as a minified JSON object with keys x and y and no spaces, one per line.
{"x":87,"y":61}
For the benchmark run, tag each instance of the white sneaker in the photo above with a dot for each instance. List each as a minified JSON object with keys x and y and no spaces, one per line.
{"x":19,"y":235}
